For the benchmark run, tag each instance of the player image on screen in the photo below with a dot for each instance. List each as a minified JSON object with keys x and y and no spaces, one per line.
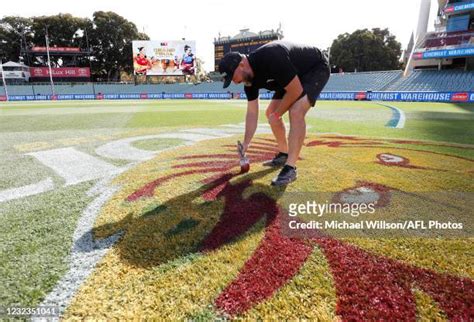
{"x":141,"y":63}
{"x":188,"y":61}
{"x":169,"y":65}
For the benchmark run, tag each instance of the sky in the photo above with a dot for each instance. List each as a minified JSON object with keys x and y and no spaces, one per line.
{"x":312,"y":22}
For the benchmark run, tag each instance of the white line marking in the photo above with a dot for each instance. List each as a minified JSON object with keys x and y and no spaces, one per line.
{"x":75,"y":166}
{"x":85,"y":254}
{"x":25,"y":191}
{"x":215,"y":132}
{"x":398,"y":117}
{"x":122,"y":150}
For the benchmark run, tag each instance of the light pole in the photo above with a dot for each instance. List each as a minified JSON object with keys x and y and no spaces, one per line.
{"x":89,"y":59}
{"x":49,"y":63}
{"x":5,"y":26}
{"x":3,"y":79}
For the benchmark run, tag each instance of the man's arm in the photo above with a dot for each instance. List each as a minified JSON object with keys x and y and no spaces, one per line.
{"x":251,"y":122}
{"x":293,"y":92}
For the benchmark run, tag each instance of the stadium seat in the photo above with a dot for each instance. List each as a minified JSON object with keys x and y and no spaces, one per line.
{"x":367,"y":81}
{"x":433,"y":80}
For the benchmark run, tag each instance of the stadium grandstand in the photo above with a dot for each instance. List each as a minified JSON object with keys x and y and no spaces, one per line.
{"x":418,"y":80}
{"x":451,"y":45}
{"x":68,"y":64}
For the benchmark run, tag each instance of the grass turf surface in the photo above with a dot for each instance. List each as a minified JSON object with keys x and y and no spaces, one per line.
{"x":36,"y":231}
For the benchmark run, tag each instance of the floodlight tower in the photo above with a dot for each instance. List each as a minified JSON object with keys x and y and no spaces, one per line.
{"x":423,"y":19}
{"x":421,"y":29}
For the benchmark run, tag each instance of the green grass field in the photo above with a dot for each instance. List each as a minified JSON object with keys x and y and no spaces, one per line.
{"x":36,"y":231}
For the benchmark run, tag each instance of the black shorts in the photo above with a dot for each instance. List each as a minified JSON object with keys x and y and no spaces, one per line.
{"x":313,"y":83}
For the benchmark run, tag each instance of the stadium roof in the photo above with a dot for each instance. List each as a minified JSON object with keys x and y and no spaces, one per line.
{"x":13,"y":64}
{"x":245,"y":33}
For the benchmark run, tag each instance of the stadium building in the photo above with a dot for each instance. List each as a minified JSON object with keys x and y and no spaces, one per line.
{"x":68,"y":64}
{"x":14,"y":73}
{"x":451,"y":45}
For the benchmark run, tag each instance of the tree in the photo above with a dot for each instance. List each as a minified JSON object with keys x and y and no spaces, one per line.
{"x":15,"y":34}
{"x":61,"y":28}
{"x":366,"y":50}
{"x":108,"y":35}
{"x":111,"y":41}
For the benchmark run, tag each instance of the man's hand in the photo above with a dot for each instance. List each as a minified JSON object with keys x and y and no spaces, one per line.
{"x":245,"y":146}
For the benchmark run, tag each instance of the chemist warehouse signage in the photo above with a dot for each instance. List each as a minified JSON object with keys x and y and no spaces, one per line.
{"x":460,"y":97}
{"x":459,"y":7}
{"x":445,"y":53}
{"x":400,"y":96}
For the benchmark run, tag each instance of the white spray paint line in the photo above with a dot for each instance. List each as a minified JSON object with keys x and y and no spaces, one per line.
{"x":214,"y":132}
{"x":75,"y":166}
{"x":187,"y":136}
{"x":242,"y":125}
{"x":398,"y":117}
{"x":122,"y":150}
{"x":228,"y":132}
{"x":85,"y":253}
{"x":234,"y":126}
{"x":401,"y":122}
{"x":25,"y":191}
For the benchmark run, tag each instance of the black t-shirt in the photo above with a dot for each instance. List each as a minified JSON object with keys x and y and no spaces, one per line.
{"x":278,"y":62}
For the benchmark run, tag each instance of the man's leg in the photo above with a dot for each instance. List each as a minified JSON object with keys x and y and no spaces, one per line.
{"x":295,"y":141}
{"x":297,"y":129}
{"x":278,"y":128}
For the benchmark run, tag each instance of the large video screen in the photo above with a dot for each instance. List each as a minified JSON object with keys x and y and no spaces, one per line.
{"x":164,"y":57}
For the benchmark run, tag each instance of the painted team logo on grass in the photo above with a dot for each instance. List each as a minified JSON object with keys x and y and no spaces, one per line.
{"x":201,"y":240}
{"x":364,"y":193}
{"x":393,"y":160}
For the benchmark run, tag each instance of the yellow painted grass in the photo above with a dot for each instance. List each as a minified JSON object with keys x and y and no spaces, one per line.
{"x":427,"y":309}
{"x":452,"y":256}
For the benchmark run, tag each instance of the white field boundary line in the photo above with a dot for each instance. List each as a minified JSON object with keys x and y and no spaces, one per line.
{"x":398,"y":117}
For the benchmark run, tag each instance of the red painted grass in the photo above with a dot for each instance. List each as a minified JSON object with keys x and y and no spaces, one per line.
{"x":148,"y":190}
{"x":273,"y":264}
{"x":372,"y":287}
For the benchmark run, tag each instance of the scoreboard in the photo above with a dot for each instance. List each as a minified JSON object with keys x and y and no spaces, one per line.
{"x":243,"y":46}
